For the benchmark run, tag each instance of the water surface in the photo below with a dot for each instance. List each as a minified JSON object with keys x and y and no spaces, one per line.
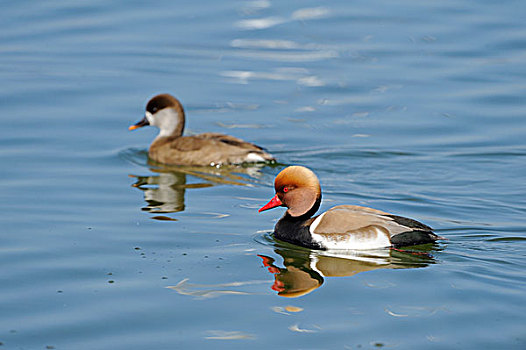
{"x":412,"y":108}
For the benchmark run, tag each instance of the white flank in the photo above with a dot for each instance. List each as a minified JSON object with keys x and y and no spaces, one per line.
{"x":350,"y":241}
{"x":254,"y":157}
{"x":315,"y":224}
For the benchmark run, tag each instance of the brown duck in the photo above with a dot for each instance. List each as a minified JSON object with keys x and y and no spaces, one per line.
{"x":346,"y":227}
{"x":171,"y":147}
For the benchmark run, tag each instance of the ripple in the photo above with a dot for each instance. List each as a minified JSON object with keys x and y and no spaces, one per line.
{"x":229,"y":335}
{"x":254,"y":6}
{"x":310,"y":13}
{"x":350,"y":151}
{"x":265,"y":44}
{"x":507,"y":239}
{"x":296,"y":328}
{"x":300,"y":76}
{"x":206,"y":291}
{"x":134,"y":156}
{"x":301,"y":56}
{"x":269,"y":22}
{"x":413,"y":311}
{"x":260,"y":23}
{"x":265,"y":237}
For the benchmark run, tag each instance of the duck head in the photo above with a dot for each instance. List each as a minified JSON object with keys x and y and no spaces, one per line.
{"x":165,"y":112}
{"x":298,"y":189}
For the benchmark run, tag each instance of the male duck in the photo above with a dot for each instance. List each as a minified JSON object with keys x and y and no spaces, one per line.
{"x":345,"y":227}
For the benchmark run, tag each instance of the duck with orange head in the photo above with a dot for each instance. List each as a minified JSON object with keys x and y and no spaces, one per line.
{"x":344,"y":227}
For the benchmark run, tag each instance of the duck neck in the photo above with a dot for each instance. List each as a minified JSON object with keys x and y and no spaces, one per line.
{"x":295,"y":229}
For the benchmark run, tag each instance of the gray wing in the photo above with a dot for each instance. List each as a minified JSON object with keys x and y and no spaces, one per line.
{"x":356,"y":220}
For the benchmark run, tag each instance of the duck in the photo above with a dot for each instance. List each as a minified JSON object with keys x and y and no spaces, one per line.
{"x":343,"y":227}
{"x":170,"y":147}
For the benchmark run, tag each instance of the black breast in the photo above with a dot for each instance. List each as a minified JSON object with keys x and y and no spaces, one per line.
{"x":293,"y":230}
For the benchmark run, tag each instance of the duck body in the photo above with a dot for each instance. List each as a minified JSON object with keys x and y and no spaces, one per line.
{"x":172,"y":148}
{"x":206,"y":149}
{"x":344,"y":227}
{"x":352,"y":227}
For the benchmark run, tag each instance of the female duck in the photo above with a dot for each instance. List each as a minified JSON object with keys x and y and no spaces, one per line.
{"x":171,"y":147}
{"x":341,"y":227}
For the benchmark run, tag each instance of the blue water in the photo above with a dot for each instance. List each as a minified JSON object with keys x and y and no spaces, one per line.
{"x":415,"y":108}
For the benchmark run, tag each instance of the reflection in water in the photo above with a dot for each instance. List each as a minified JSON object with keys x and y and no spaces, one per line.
{"x":164,"y":191}
{"x":305,"y":269}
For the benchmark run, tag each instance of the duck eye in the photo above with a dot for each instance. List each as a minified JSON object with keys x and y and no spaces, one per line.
{"x":285,"y":189}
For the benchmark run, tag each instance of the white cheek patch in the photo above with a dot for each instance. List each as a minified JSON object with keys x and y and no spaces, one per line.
{"x":371,"y":237}
{"x":166,"y":120}
{"x":149,"y":117}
